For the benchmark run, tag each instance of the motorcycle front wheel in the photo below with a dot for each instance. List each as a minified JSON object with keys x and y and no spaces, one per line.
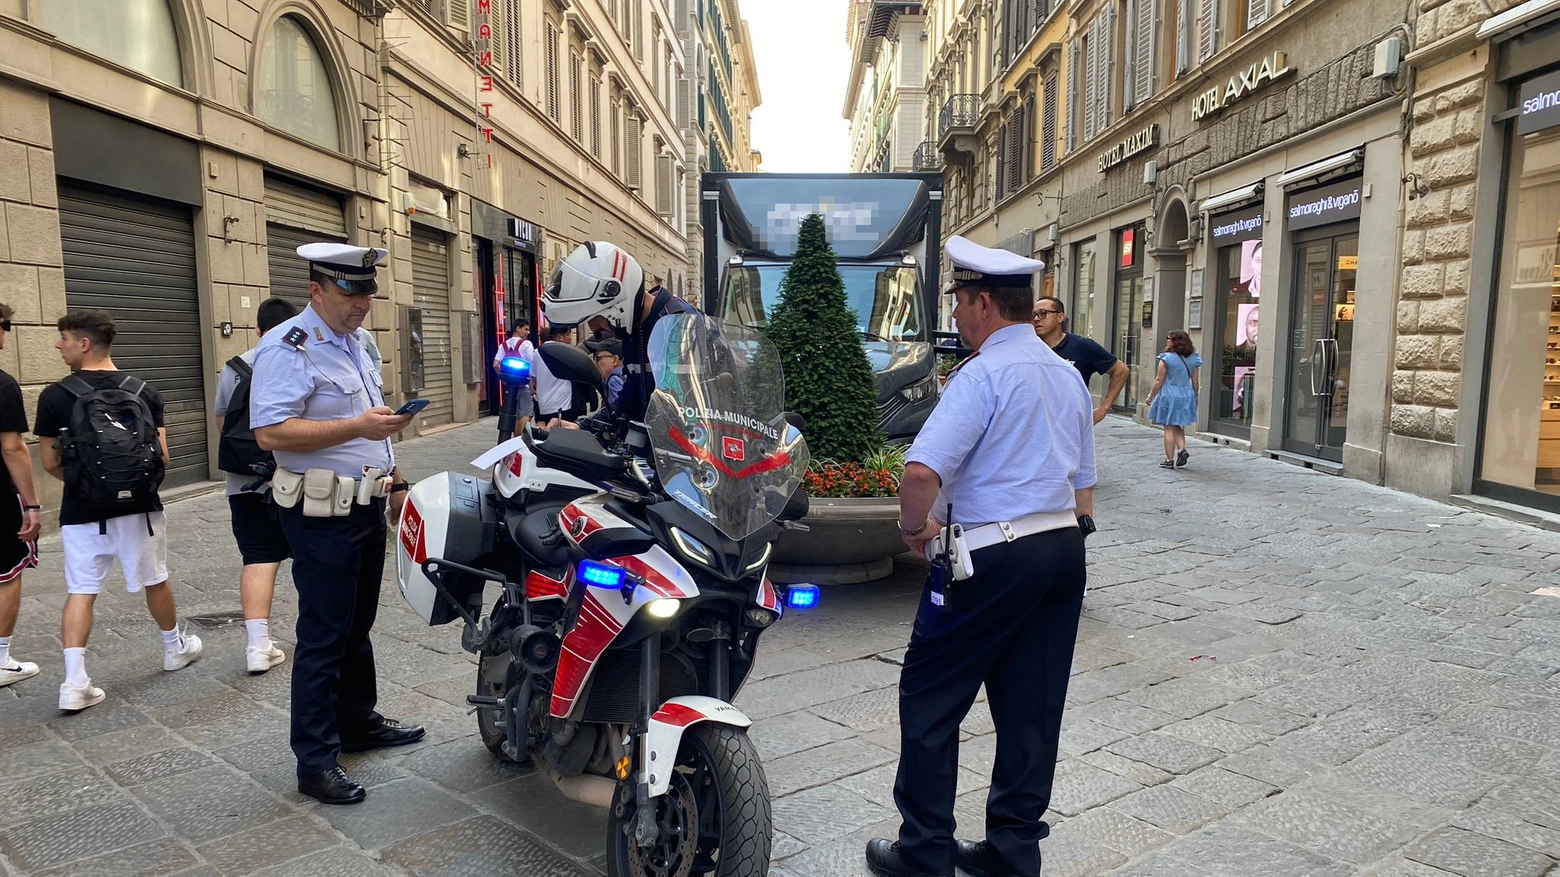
{"x":714,"y":821}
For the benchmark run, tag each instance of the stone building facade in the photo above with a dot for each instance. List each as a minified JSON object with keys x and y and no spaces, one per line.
{"x":885,"y":94}
{"x":165,"y":160}
{"x":1476,"y":371}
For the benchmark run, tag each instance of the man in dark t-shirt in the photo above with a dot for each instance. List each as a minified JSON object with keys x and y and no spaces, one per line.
{"x":132,"y":531}
{"x":1085,"y":354}
{"x":19,"y":512}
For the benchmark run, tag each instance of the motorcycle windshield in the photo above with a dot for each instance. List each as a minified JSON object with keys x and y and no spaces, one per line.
{"x":721,"y":446}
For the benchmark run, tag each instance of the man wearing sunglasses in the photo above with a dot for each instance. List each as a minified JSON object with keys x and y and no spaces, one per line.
{"x":317,"y":402}
{"x":1085,"y":354}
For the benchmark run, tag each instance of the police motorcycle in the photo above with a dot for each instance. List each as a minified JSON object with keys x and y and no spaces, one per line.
{"x":630,"y":561}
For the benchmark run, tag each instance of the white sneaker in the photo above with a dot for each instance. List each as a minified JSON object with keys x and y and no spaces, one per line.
{"x":178,"y":659}
{"x":16,"y":671}
{"x":74,"y":698}
{"x":261,"y":660}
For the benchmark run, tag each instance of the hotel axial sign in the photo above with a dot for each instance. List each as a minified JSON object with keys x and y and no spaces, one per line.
{"x":1271,"y":68}
{"x":1131,"y":145}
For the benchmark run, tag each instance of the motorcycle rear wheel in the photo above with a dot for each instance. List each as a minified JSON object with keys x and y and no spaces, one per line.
{"x":715,"y":819}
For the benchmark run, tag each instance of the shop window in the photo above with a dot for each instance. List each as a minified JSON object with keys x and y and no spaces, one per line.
{"x":1521,"y":446}
{"x":1080,"y":314}
{"x":292,"y":88}
{"x":139,"y":34}
{"x":1238,"y":315}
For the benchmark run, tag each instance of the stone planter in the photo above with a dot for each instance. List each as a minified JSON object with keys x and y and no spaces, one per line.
{"x":847,"y":541}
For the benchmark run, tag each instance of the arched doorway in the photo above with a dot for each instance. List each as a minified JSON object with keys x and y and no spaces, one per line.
{"x":1172,"y":243}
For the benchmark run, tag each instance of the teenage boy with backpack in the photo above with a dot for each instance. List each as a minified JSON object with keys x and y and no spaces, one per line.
{"x":111,"y":451}
{"x":261,"y":543}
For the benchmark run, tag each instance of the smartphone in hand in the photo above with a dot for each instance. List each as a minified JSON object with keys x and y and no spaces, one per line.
{"x":412,"y":407}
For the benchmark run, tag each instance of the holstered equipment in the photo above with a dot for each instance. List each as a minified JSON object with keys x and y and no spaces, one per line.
{"x":325,"y":494}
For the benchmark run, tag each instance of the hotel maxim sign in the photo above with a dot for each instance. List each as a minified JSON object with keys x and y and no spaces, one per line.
{"x":1142,"y":141}
{"x":1269,"y":69}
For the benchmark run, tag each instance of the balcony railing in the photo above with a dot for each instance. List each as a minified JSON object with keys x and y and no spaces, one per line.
{"x":927,"y":157}
{"x":961,"y":111}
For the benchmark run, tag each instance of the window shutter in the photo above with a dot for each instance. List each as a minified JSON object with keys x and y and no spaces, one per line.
{"x":457,"y":14}
{"x":512,"y":38}
{"x":1048,"y":126}
{"x":1129,"y":91}
{"x":1107,"y":72}
{"x":663,"y":185}
{"x":497,"y":23}
{"x":617,"y":139}
{"x":1257,"y":11}
{"x":1207,"y":29}
{"x":1026,"y":141}
{"x":1001,"y":161}
{"x":1183,"y":36}
{"x":576,"y":93}
{"x":1147,"y":22}
{"x":685,"y":102}
{"x":595,"y":116}
{"x":634,"y":172}
{"x":639,"y":31}
{"x":1074,"y":93}
{"x":553,"y":109}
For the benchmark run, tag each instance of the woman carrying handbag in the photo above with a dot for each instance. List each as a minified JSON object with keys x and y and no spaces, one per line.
{"x":1173,"y":400}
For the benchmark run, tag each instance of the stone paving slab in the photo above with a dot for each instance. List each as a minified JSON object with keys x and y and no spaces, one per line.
{"x":1278,"y":672}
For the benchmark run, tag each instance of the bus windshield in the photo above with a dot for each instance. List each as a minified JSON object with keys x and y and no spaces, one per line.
{"x":886,"y":298}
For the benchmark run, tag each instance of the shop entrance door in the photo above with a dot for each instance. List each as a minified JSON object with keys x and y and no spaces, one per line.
{"x":1321,"y":344}
{"x":1129,"y":304}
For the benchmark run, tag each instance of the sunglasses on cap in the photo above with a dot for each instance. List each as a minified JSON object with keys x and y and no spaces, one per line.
{"x":358,"y":287}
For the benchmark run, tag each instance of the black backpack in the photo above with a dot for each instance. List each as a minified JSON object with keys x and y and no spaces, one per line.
{"x":111,"y":452}
{"x":237,"y":451}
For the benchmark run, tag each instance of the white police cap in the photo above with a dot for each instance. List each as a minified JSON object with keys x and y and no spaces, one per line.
{"x":973,"y":263}
{"x":344,"y":261}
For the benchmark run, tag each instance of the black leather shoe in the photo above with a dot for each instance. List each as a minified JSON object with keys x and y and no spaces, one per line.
{"x":331,"y":787}
{"x":388,"y":732}
{"x":885,"y":860}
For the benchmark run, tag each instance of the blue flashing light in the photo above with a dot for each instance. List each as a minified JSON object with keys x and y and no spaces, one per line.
{"x":515,"y":367}
{"x":602,"y":575}
{"x":801,"y":596}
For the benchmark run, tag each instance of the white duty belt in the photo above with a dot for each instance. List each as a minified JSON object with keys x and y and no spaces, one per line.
{"x":325,"y":494}
{"x":987,"y":535}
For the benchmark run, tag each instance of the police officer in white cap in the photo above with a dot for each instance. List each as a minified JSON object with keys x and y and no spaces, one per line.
{"x":317,"y":403}
{"x":1011,"y":447}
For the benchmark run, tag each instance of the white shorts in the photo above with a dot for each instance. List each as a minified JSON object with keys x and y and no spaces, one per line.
{"x":90,"y":554}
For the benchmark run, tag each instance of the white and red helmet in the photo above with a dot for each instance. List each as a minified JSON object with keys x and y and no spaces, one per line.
{"x":597,"y":279}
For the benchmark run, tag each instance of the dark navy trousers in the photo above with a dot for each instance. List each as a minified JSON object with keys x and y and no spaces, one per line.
{"x":1011,"y":626}
{"x":337,"y":565}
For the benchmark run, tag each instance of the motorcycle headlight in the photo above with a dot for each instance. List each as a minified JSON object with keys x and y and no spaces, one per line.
{"x":664,"y":607}
{"x":761,"y":617}
{"x":762,"y":559}
{"x":692,"y":548}
{"x":920,"y":390}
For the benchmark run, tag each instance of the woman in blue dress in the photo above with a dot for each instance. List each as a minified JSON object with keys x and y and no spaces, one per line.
{"x":1173,"y":401}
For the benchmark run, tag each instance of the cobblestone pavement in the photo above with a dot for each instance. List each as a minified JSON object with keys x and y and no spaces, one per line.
{"x":1278,"y":673}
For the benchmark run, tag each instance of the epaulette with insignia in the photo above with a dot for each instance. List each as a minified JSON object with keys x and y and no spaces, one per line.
{"x":295,"y":338}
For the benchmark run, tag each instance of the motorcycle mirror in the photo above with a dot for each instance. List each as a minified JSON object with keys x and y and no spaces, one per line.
{"x":795,"y":420}
{"x":570,"y":363}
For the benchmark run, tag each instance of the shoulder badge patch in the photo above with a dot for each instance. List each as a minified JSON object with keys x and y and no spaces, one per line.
{"x":295,"y":338}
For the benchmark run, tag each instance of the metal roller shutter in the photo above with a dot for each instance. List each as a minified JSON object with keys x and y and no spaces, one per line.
{"x":294,"y":216}
{"x":135,"y":258}
{"x":431,"y":292}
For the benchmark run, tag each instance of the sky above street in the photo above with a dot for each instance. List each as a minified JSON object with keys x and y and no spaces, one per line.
{"x":799,"y":47}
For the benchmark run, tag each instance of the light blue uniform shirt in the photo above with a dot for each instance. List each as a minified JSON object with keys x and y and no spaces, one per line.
{"x":1012,"y":435}
{"x":327,"y":377}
